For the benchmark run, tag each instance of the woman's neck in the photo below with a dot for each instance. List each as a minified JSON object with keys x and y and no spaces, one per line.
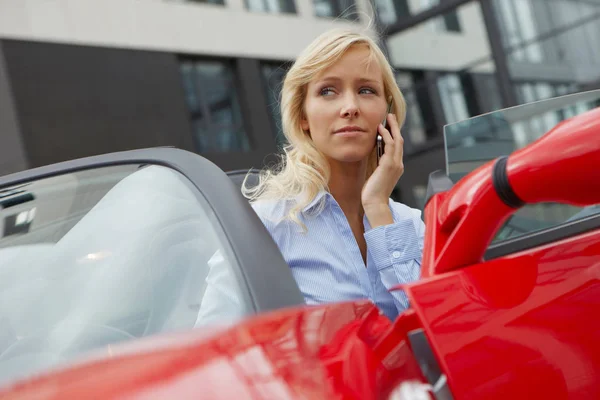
{"x":345,"y":185}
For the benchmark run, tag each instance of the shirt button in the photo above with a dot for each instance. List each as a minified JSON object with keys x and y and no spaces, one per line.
{"x":396,"y":254}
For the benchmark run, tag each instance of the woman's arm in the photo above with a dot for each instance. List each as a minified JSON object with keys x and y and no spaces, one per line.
{"x":396,"y":250}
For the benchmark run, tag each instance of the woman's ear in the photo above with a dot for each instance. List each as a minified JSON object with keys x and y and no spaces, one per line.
{"x":304,"y":124}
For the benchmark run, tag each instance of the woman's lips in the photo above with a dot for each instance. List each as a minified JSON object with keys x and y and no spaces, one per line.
{"x":350,"y":131}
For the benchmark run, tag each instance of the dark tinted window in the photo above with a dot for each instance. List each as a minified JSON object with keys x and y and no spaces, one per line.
{"x":392,"y":11}
{"x":214,"y":106}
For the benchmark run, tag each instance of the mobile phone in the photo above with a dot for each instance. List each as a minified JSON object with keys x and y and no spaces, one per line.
{"x":380,"y":143}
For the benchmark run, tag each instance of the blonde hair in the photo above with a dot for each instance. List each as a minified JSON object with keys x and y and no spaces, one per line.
{"x":304,"y":170}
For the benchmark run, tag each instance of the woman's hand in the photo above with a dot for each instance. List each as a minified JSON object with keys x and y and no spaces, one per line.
{"x":378,"y":189}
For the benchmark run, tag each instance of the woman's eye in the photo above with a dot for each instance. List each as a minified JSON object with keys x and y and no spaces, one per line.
{"x":367,"y":91}
{"x":326,"y":91}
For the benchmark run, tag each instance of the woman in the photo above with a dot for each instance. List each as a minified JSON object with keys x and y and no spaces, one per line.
{"x":328,"y":206}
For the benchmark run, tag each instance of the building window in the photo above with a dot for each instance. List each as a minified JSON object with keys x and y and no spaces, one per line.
{"x":414,"y":128}
{"x":532,"y":128}
{"x":271,"y":6}
{"x":451,"y":22}
{"x":336,"y":9}
{"x":579,"y":40}
{"x":391,"y":11}
{"x":214,"y":106}
{"x":560,"y":31}
{"x":518,"y":25}
{"x":447,"y":23}
{"x":453,"y":99}
{"x":485,"y":93}
{"x":273,"y":76}
{"x":528,"y":92}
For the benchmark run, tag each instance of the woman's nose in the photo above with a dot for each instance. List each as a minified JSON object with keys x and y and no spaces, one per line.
{"x":350,"y":108}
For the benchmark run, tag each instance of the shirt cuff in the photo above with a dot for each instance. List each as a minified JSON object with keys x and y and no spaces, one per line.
{"x":393,"y":244}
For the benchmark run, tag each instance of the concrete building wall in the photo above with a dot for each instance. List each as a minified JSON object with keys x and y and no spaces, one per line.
{"x":167,"y":25}
{"x":425,"y":47}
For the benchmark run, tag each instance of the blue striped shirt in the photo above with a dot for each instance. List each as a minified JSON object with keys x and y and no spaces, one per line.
{"x":326,"y":260}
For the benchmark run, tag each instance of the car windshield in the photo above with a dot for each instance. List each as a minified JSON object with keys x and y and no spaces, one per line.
{"x":473,"y":142}
{"x":97,"y":257}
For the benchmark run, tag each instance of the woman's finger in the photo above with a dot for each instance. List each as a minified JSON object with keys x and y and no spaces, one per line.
{"x":397,"y":136}
{"x":386,"y":135}
{"x":393,"y":126}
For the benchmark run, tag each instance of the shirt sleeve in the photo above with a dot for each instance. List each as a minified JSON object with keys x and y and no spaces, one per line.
{"x":221,"y":301}
{"x":396,"y":251}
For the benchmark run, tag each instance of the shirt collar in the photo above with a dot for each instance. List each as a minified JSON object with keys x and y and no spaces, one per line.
{"x":315,"y":201}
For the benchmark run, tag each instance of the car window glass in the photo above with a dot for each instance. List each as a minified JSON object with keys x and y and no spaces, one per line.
{"x":97,"y":257}
{"x":475,"y":141}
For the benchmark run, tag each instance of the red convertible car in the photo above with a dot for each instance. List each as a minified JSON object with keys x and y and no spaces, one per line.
{"x":147,"y":275}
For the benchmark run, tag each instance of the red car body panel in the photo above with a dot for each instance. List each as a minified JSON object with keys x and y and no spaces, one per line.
{"x":520,"y":327}
{"x":341,"y":351}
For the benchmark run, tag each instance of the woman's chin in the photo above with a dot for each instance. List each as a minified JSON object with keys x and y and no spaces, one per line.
{"x":351,"y":157}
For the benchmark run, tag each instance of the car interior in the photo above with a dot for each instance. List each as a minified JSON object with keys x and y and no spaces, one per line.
{"x":108,"y":255}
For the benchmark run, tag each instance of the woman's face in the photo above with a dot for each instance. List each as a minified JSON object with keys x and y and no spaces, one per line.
{"x":344,"y":105}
